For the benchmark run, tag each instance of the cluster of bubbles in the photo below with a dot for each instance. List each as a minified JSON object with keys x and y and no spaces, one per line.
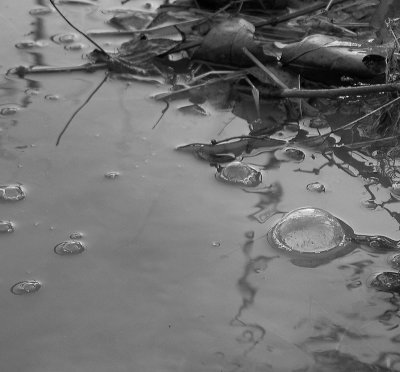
{"x":71,"y":247}
{"x":14,"y":193}
{"x":312,"y":236}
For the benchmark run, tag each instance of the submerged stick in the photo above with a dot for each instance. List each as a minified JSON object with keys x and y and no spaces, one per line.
{"x":333,"y":92}
{"x":298,"y":13}
{"x":170,"y":95}
{"x":88,"y":67}
{"x":164,"y":110}
{"x":79,"y":109}
{"x":142,"y":30}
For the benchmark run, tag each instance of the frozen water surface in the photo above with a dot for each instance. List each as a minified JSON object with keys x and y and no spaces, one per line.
{"x":172,"y":280}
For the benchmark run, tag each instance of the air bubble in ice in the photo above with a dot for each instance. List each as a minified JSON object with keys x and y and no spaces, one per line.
{"x":11,"y":193}
{"x":6,"y":226}
{"x":69,"y":248}
{"x":26,"y":287}
{"x":316,"y":187}
{"x":308,"y":230}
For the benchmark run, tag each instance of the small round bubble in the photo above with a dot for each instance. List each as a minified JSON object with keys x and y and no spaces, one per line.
{"x":29,"y":44}
{"x":40,"y":11}
{"x":76,"y":235}
{"x":6,"y":227}
{"x":316,"y":187}
{"x":64,"y":38}
{"x":9,"y":110}
{"x":25,"y":287}
{"x":69,"y":248}
{"x":11,"y":193}
{"x":52,"y":97}
{"x":249,"y":234}
{"x":26,"y":44}
{"x":32,"y":92}
{"x":112,"y":175}
{"x":237,"y":173}
{"x":75,"y":47}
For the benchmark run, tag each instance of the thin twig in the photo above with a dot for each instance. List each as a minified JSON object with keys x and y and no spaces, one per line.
{"x":352,"y":123}
{"x":334,"y":92}
{"x":226,"y":124}
{"x":162,"y":113}
{"x":298,"y":13}
{"x":214,"y":142}
{"x":89,"y":67}
{"x":143,"y":30}
{"x":274,"y":78}
{"x":256,"y":97}
{"x":170,"y":95}
{"x":328,"y":6}
{"x":299,"y":87}
{"x":357,"y":145}
{"x":79,"y":109}
{"x":208,"y":73}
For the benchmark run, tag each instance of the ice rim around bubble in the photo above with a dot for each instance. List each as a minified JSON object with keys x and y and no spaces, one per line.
{"x":309,"y":231}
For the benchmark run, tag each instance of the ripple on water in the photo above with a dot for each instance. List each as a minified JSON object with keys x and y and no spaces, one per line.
{"x":11,"y":193}
{"x":69,"y":248}
{"x":26,"y":287}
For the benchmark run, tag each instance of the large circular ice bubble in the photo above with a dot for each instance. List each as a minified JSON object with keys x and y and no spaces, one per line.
{"x":313,"y":237}
{"x":308,"y":230}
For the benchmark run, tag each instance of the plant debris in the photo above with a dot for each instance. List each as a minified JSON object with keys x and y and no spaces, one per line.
{"x":226,"y":52}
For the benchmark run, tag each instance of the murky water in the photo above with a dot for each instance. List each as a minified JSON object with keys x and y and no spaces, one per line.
{"x":174,"y":271}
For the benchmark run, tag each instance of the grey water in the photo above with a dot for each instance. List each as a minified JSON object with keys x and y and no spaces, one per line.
{"x":174,"y":271}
